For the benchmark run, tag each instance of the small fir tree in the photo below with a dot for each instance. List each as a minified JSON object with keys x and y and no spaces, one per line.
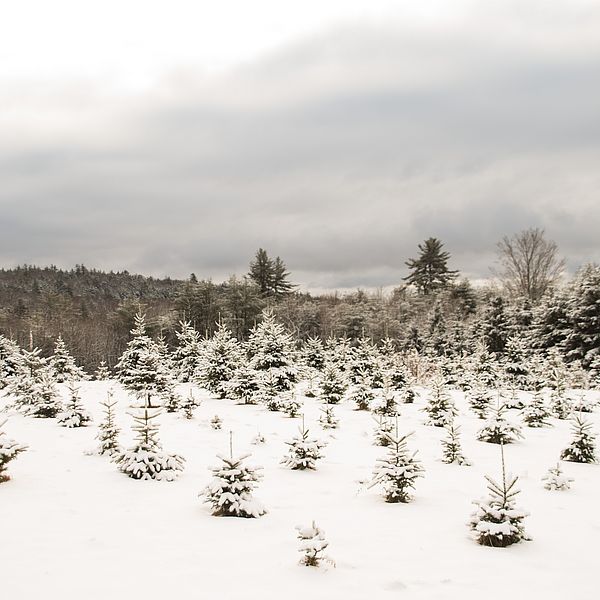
{"x":383,"y":428}
{"x":243,"y":386}
{"x":497,"y":522}
{"x":187,"y":405}
{"x":102,"y":372}
{"x":146,"y":459}
{"x":480,"y":401}
{"x":313,"y":354}
{"x":74,"y":414}
{"x":312,"y":546}
{"x":10,"y":360}
{"x":9,"y":450}
{"x":328,"y":419}
{"x":216,"y":422}
{"x":46,"y":401}
{"x":398,"y":471}
{"x":362,"y":394}
{"x":290,"y":405}
{"x":230,"y":491}
{"x":303,"y":451}
{"x":560,"y":404}
{"x":536,"y":413}
{"x":582,"y":449}
{"x":63,"y":365}
{"x":452,"y":450}
{"x":498,"y":430}
{"x":440,"y":408}
{"x":333,"y":385}
{"x":556,"y":480}
{"x":187,"y":355}
{"x":108,"y":432}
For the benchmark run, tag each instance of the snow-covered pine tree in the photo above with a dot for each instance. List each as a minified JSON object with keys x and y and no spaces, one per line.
{"x":243,"y":386}
{"x":188,"y":353}
{"x":516,"y":362}
{"x":497,"y":522}
{"x":312,"y":545}
{"x":73,"y":413}
{"x":23,"y":383}
{"x":582,"y":448}
{"x":221,"y":357}
{"x":10,"y":360}
{"x":536,"y":413}
{"x":230,"y":491}
{"x":452,"y":450}
{"x":216,"y":422}
{"x":268,"y":390}
{"x":362,"y":394}
{"x":332,"y":386}
{"x":9,"y":450}
{"x":440,"y":407}
{"x":484,"y":366}
{"x":514,"y":399}
{"x":102,"y":372}
{"x":289,"y":404}
{"x":328,"y":419}
{"x":140,"y":369}
{"x":561,"y":405}
{"x":480,"y":401}
{"x":46,"y":401}
{"x":271,"y":349}
{"x":63,"y":365}
{"x":188,"y":405}
{"x":365,"y":362}
{"x":338,"y":352}
{"x":108,"y":432}
{"x":398,"y":471}
{"x":409,"y":395}
{"x":584,"y":403}
{"x":303,"y":451}
{"x":146,"y":459}
{"x":313,"y":354}
{"x":498,"y":430}
{"x":556,"y":480}
{"x":383,"y":428}
{"x":385,"y":403}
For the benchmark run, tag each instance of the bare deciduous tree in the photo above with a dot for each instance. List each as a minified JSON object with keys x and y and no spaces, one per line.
{"x":530,"y":263}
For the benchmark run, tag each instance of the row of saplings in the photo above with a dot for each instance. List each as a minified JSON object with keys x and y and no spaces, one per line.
{"x":496,"y":522}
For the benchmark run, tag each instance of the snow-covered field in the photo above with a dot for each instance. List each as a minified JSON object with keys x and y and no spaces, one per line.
{"x":73,"y":527}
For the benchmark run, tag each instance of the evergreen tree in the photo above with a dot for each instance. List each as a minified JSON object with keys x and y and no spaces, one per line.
{"x":582,"y":449}
{"x":536,"y":413}
{"x":303,"y":451}
{"x":516,"y":363}
{"x":313,"y":354}
{"x":583,"y":341}
{"x":74,"y":414}
{"x":440,"y":408}
{"x":243,"y":385}
{"x":498,"y":430}
{"x":362,"y":394}
{"x":398,"y":471}
{"x":9,"y":450}
{"x":108,"y":432}
{"x":383,"y":429}
{"x":102,"y":372}
{"x":188,"y":405}
{"x":221,"y":357}
{"x":452,"y":450}
{"x":556,"y":480}
{"x":63,"y":364}
{"x":290,"y":405}
{"x":497,"y":522}
{"x":46,"y":401}
{"x":140,"y":369}
{"x":10,"y":360}
{"x":261,"y":272}
{"x":23,"y":386}
{"x":328,"y":420}
{"x":281,"y":284}
{"x":230,"y":491}
{"x":365,"y":362}
{"x":146,"y":459}
{"x":429,"y":272}
{"x":188,"y":353}
{"x":333,"y":386}
{"x":495,"y":325}
{"x":480,"y":401}
{"x":385,"y":403}
{"x":271,"y":349}
{"x":312,"y":545}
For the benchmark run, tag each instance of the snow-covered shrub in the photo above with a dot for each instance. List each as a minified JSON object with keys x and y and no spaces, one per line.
{"x":498,"y":430}
{"x":230,"y":491}
{"x":303,"y":451}
{"x":73,"y":414}
{"x":582,"y":449}
{"x":452,"y":450}
{"x":312,"y":545}
{"x":556,"y":480}
{"x":9,"y":450}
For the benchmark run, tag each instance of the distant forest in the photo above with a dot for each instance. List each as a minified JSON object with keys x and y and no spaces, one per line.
{"x":433,"y":310}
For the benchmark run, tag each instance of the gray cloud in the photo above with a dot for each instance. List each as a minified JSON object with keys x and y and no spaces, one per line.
{"x":340,"y":153}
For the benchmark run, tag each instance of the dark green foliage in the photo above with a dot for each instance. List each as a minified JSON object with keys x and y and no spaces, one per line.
{"x":430,"y":272}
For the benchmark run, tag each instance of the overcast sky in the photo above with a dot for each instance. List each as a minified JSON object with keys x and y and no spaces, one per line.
{"x":171,"y":137}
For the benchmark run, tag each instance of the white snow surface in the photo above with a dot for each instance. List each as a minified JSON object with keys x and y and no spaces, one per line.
{"x":72,"y":526}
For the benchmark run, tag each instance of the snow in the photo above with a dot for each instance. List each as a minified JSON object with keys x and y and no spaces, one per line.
{"x":72,"y":526}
